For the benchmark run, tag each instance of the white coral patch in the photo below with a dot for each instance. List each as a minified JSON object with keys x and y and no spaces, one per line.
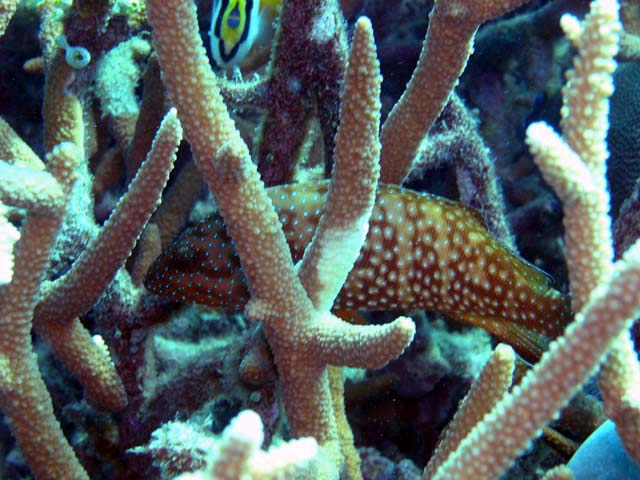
{"x":9,"y":235}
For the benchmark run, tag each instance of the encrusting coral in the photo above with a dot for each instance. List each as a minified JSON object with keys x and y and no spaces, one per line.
{"x":297,"y":258}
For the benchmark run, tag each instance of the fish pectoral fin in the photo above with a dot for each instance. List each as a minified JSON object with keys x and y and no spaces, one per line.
{"x":528,"y":343}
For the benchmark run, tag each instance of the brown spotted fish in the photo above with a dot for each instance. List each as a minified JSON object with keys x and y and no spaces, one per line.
{"x":422,"y":252}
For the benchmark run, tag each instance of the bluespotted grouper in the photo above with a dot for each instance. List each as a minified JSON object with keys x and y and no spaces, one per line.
{"x":422,"y":252}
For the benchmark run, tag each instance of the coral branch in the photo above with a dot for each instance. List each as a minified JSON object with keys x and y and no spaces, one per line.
{"x":352,"y":193}
{"x":277,"y":296}
{"x":107,"y":254}
{"x":446,"y":48}
{"x":23,"y":396}
{"x":492,"y":383}
{"x":575,"y":166}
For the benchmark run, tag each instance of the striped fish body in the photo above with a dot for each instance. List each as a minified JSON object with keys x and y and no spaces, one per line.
{"x":235,"y":26}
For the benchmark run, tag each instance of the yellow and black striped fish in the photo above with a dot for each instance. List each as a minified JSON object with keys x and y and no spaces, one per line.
{"x":235,"y":26}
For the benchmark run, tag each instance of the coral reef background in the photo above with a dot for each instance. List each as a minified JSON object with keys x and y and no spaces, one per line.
{"x":185,"y":371}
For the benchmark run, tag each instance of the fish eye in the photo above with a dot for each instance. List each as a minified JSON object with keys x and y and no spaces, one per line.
{"x":233,"y":20}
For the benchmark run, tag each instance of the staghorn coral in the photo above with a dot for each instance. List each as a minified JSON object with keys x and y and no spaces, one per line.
{"x":206,"y":365}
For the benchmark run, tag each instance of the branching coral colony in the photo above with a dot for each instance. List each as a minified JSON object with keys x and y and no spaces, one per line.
{"x":58,"y":264}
